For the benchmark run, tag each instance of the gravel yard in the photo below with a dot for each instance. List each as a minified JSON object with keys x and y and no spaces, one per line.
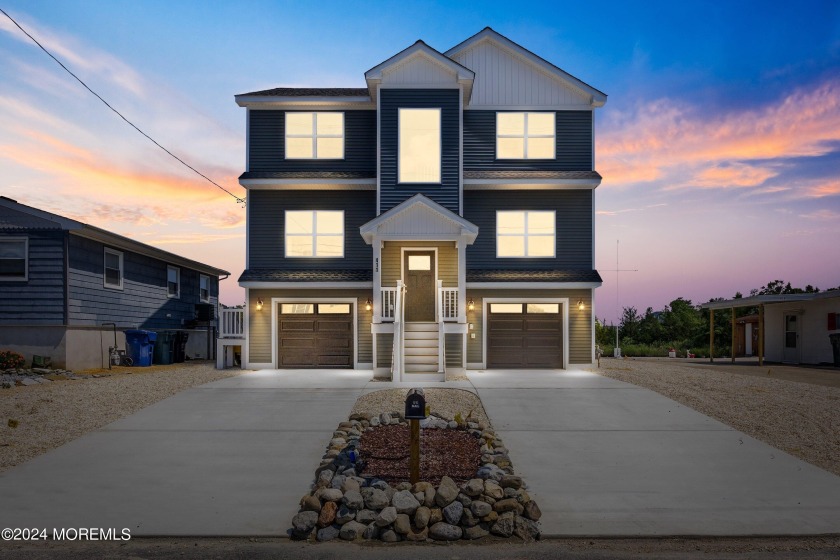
{"x":799,"y":418}
{"x":52,"y":414}
{"x":445,"y":403}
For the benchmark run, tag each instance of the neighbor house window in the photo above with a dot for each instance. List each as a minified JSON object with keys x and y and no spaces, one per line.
{"x":314,"y":135}
{"x":525,"y":135}
{"x":113,"y":269}
{"x":173,"y":281}
{"x":204,"y":288}
{"x":314,"y":233}
{"x":419,"y":146}
{"x":525,"y":233}
{"x":14,"y":259}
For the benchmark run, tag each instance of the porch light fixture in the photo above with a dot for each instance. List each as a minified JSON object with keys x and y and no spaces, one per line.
{"x":581,"y":307}
{"x":259,"y":304}
{"x":368,"y":304}
{"x":471,"y":304}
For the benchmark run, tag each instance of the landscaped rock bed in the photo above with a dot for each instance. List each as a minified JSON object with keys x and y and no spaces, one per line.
{"x":468,"y":488}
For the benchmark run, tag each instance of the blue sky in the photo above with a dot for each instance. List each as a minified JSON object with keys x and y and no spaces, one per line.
{"x":719,"y":144}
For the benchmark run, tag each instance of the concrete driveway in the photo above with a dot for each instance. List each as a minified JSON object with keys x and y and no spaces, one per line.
{"x":605,"y":458}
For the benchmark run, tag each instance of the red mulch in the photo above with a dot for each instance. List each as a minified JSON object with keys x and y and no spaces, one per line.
{"x":452,"y":453}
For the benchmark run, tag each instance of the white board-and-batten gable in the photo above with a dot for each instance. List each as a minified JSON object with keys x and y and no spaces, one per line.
{"x":508,"y":75}
{"x":419,"y":218}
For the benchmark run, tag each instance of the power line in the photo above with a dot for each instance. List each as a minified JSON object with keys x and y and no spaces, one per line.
{"x":120,"y":115}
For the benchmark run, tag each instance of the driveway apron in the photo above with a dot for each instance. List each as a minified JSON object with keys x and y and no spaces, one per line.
{"x":231,"y":457}
{"x":608,"y":458}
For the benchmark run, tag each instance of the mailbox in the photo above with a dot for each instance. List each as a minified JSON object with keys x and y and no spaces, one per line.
{"x":415,"y":405}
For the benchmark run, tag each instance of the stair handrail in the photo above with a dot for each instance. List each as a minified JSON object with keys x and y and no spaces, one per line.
{"x":441,"y":336}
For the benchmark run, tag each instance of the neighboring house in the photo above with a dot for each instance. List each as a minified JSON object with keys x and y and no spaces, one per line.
{"x":63,"y":284}
{"x":441,"y":218}
{"x":796,"y":328}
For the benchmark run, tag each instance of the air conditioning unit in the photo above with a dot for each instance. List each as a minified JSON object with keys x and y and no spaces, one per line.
{"x":205,"y":312}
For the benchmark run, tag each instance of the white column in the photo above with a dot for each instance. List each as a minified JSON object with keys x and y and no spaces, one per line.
{"x":461,"y":244}
{"x":377,"y":280}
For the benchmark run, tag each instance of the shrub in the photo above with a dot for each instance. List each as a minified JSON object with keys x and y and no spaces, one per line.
{"x":11,"y":360}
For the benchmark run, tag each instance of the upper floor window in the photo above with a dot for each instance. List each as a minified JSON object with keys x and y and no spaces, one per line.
{"x":419,"y":146}
{"x":204,"y":288}
{"x":525,"y":136}
{"x":314,"y":135}
{"x":314,"y":233}
{"x":173,"y":281}
{"x":14,"y":258}
{"x":525,"y":233}
{"x":113,"y":269}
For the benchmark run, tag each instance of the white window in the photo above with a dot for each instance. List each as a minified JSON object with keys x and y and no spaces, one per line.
{"x":14,"y":258}
{"x":315,"y":233}
{"x":173,"y":281}
{"x":419,"y":146}
{"x":314,"y":135}
{"x":113,"y":277}
{"x":297,"y":308}
{"x":204,"y":288}
{"x":525,"y":233}
{"x":333,"y":308}
{"x":525,"y":135}
{"x":505,"y":308}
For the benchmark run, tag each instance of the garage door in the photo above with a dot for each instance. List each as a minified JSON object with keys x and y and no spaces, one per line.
{"x":315,"y":335}
{"x":524,"y":335}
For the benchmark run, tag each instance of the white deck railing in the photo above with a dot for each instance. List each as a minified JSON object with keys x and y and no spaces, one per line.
{"x":448,"y":298}
{"x":232,"y":323}
{"x":388,"y":303}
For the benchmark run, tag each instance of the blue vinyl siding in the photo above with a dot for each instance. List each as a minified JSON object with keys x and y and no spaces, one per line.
{"x":143,"y":301}
{"x":40,"y":299}
{"x":267,"y":144}
{"x":573,"y":227}
{"x":391,"y":193}
{"x":267,"y":225}
{"x":574,"y":144}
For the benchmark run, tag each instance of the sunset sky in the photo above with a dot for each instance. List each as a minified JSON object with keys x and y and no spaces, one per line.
{"x":719,"y":143}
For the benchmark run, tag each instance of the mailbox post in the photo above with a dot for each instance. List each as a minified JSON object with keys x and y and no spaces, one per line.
{"x":415,"y":410}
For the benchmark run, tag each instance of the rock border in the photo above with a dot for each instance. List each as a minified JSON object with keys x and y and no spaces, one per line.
{"x":22,"y":377}
{"x":347,"y":505}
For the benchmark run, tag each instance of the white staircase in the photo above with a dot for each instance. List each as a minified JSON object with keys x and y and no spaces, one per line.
{"x":421,"y":347}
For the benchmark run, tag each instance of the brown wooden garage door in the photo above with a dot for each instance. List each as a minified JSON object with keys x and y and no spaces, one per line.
{"x":524,"y":335}
{"x":315,"y":335}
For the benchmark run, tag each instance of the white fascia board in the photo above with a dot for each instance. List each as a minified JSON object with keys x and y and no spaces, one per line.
{"x":532,"y":285}
{"x":461,"y":72}
{"x":530,"y":184}
{"x":259,"y":285}
{"x":310,"y":184}
{"x":273,"y":102}
{"x":556,"y":108}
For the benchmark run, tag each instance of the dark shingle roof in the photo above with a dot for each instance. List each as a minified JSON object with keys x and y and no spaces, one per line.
{"x":533,"y":276}
{"x":14,"y":220}
{"x":274,"y":275}
{"x":311,"y":92}
{"x":307,"y":175}
{"x":527,"y":174}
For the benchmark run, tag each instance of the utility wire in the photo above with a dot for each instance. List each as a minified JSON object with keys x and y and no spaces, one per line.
{"x":239,"y":200}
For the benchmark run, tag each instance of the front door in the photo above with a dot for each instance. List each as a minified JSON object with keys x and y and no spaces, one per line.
{"x":419,"y":272}
{"x":790,"y":353}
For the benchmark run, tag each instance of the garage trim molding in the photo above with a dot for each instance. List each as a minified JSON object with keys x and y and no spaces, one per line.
{"x":275,"y":311}
{"x":485,"y":309}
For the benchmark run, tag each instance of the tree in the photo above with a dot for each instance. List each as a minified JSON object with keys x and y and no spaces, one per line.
{"x":629,"y":327}
{"x":604,"y":334}
{"x":681,"y":321}
{"x":651,"y":330}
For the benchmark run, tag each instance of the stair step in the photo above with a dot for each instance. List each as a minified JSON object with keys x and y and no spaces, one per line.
{"x":421,"y":368}
{"x":421,"y":342}
{"x":418,"y":353}
{"x":420,"y":359}
{"x":421,"y":335}
{"x":417,"y":327}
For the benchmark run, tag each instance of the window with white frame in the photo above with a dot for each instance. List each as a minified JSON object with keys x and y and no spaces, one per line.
{"x":314,"y":233}
{"x":525,"y":136}
{"x":173,"y":281}
{"x":419,"y":146}
{"x":113,"y":264}
{"x":204,"y":288}
{"x":314,"y":135}
{"x":14,"y":258}
{"x":525,"y":233}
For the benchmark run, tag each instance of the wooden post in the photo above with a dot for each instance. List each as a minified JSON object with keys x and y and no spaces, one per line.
{"x":733,"y":335}
{"x":711,"y":335}
{"x":414,"y":464}
{"x":761,"y":335}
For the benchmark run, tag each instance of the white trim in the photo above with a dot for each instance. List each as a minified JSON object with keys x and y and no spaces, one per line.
{"x":314,"y":235}
{"x":533,"y":285}
{"x":439,"y":111}
{"x":526,"y":235}
{"x":247,"y":232}
{"x":266,"y":102}
{"x":403,"y":251}
{"x":421,"y":85}
{"x":119,"y":255}
{"x":460,"y":151}
{"x":261,"y":285}
{"x":313,"y":184}
{"x":247,"y":139}
{"x":246,"y":359}
{"x":178,"y":273}
{"x":314,"y":136}
{"x":370,"y":229}
{"x":592,"y":321}
{"x":207,"y":278}
{"x":530,"y":184}
{"x":25,"y":277}
{"x":378,"y":154}
{"x":484,"y":312}
{"x":531,"y":108}
{"x":275,"y":305}
{"x":527,"y":136}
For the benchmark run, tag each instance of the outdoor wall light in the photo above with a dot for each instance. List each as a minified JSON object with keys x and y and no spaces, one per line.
{"x":471,"y":304}
{"x":259,"y":304}
{"x":368,"y":304}
{"x":581,"y":307}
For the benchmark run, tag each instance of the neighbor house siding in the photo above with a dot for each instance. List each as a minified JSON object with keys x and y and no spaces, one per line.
{"x":580,"y":322}
{"x":267,"y":144}
{"x":573,"y":227}
{"x":266,"y":220}
{"x":447,"y":264}
{"x":573,"y":144}
{"x":39,"y":300}
{"x":391,"y":192}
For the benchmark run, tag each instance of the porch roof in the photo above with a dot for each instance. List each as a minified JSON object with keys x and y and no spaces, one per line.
{"x":533,"y":276}
{"x":419,"y":217}
{"x":276,"y":275}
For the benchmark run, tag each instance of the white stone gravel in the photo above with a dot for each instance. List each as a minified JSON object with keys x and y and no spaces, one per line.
{"x":52,"y":414}
{"x":445,"y":403}
{"x":799,"y":418}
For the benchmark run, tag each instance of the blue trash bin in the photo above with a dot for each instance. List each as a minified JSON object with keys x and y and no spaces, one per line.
{"x":140,"y":346}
